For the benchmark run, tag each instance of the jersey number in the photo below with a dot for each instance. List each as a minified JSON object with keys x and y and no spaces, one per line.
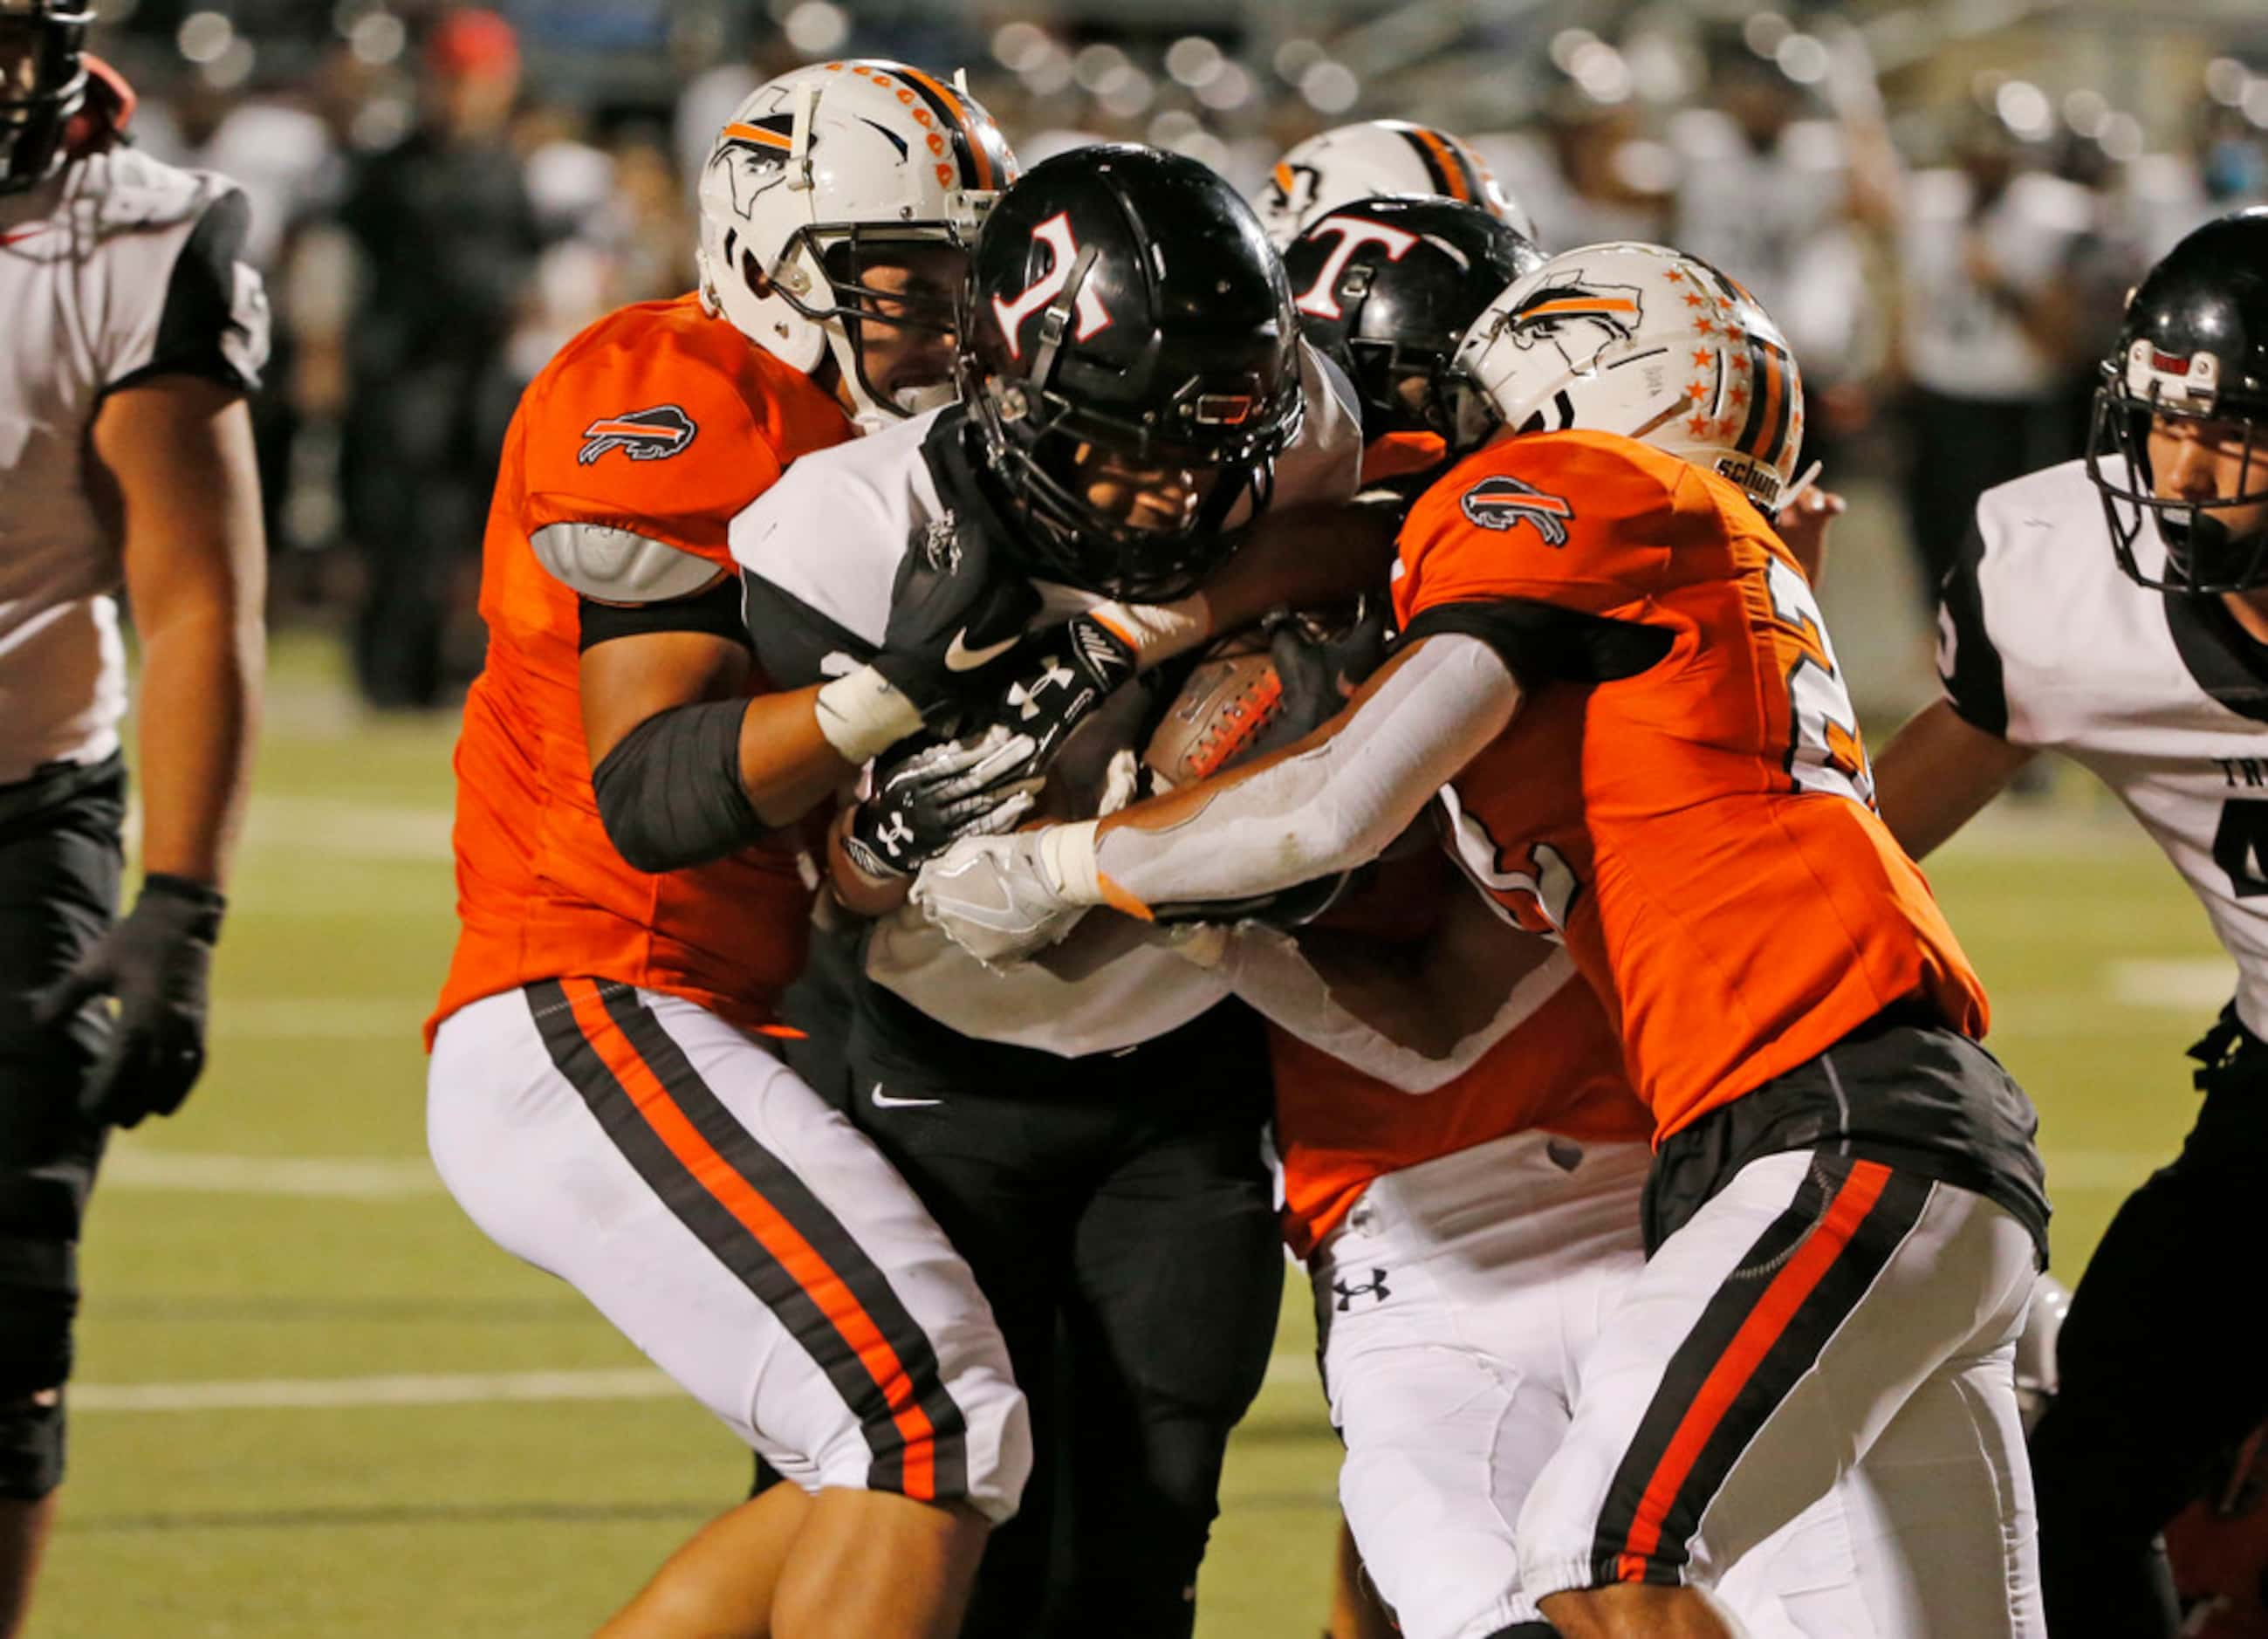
{"x":2241,"y":846}
{"x":1538,"y":899}
{"x":1824,"y":752}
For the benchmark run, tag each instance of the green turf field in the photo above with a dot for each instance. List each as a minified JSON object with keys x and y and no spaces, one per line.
{"x":311,"y":1400}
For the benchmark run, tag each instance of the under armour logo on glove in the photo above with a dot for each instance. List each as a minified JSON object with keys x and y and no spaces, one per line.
{"x":1348,"y":1291}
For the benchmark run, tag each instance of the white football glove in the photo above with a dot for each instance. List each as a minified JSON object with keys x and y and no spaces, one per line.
{"x":1001,"y":899}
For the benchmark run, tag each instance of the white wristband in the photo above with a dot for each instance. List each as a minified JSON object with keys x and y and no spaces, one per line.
{"x":864,"y":714}
{"x":1156,"y":631}
{"x":1067,"y":856}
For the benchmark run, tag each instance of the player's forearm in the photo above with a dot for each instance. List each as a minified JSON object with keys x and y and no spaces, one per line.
{"x":1331,"y":801}
{"x":198,"y":712}
{"x":1937,"y":773}
{"x":1303,"y":557}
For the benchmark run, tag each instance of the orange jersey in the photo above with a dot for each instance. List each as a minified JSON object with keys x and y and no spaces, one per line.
{"x":1337,"y":1129}
{"x":664,"y":422}
{"x":1700,"y":830}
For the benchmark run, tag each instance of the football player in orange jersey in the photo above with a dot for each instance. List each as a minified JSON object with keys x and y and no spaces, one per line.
{"x":1619,"y":682}
{"x":603,"y":1100}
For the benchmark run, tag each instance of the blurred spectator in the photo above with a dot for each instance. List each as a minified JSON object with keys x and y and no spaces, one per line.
{"x":1765,"y":194}
{"x":448,"y":240}
{"x":1990,"y":258}
{"x":1590,"y":179}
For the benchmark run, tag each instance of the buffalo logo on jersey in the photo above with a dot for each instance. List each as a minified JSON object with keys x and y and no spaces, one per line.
{"x":653,"y":434}
{"x":1580,"y":319}
{"x":1505,"y":502}
{"x":1065,"y":266}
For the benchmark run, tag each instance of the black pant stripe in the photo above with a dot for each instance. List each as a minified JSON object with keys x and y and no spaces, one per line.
{"x":1793,"y":1352}
{"x":716,"y":1227}
{"x":823,"y":1232}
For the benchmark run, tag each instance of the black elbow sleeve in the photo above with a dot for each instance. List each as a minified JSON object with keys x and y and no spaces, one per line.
{"x":670,"y":795}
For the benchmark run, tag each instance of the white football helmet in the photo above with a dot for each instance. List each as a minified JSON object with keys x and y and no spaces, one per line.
{"x":1371,"y":160}
{"x":1645,"y":342}
{"x":821,"y":173}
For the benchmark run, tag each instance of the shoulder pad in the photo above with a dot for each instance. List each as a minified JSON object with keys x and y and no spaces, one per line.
{"x":125,"y":190}
{"x":619,"y":566}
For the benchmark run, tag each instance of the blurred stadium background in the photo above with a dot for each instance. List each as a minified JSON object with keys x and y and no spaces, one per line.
{"x":311,"y":1399}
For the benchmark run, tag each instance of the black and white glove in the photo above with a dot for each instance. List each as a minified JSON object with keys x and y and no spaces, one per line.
{"x":155,"y":964}
{"x":1063,"y":678}
{"x":922,"y":803}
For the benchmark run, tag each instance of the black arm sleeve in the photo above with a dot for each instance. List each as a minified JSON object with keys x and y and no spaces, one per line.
{"x":1966,"y":662}
{"x":670,"y":793}
{"x":1542,"y":643}
{"x":201,"y":310}
{"x":715,"y":612}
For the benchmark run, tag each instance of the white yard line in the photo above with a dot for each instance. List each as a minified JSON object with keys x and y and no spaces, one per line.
{"x":320,"y":1018}
{"x":474,"y":1388}
{"x":131,"y":1168}
{"x":349,"y":829}
{"x":470,"y":1388}
{"x":2198,"y":985}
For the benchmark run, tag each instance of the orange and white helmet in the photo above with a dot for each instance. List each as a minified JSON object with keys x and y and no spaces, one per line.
{"x":820,"y":173}
{"x":1372,"y":160}
{"x":1646,"y":342}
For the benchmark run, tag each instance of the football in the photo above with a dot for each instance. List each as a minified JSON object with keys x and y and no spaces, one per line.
{"x":1229,"y":701}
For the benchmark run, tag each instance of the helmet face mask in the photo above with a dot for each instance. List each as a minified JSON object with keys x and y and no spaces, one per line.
{"x":1130,"y":404}
{"x":42,"y":83}
{"x":2180,"y":432}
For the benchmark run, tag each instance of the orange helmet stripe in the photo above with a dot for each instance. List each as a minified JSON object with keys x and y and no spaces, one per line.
{"x":1580,"y":304}
{"x":1771,"y":423}
{"x":949,"y":107}
{"x":1448,"y":160}
{"x":756,"y":134}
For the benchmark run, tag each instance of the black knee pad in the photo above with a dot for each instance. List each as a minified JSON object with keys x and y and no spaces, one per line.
{"x":1526,"y":1630}
{"x":31,"y":1446}
{"x":39,"y":1300}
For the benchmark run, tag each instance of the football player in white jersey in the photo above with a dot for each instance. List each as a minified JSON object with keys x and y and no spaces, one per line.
{"x":1088,"y":1134}
{"x":2115,"y":610}
{"x":134,"y":330}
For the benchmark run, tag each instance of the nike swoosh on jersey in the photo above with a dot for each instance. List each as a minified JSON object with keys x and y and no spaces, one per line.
{"x":25,"y":233}
{"x":885,"y":1101}
{"x":959,"y":657}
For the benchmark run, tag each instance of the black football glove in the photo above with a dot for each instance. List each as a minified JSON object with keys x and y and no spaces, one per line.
{"x":1319,"y":668}
{"x":955,"y":613}
{"x":1062,"y":677}
{"x":155,"y":964}
{"x":943,"y":792}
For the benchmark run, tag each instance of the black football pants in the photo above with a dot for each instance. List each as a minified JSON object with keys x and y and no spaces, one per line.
{"x":59,"y":869}
{"x":1118,"y":1213}
{"x":2157,"y":1380}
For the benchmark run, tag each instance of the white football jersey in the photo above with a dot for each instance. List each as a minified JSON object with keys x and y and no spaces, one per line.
{"x":2045,"y":641}
{"x":820,"y":549}
{"x":116,"y":270}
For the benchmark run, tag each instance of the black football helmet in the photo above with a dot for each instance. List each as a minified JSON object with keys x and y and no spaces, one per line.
{"x":42,"y":84}
{"x":1387,"y":287}
{"x":1129,"y":359}
{"x":2194,"y":346}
